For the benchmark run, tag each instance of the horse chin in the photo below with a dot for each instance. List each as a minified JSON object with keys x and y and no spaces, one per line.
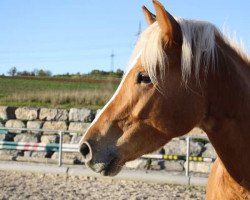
{"x":111,"y":168}
{"x":113,"y":171}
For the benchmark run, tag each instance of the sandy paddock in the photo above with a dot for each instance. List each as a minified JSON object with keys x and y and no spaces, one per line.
{"x":16,"y":185}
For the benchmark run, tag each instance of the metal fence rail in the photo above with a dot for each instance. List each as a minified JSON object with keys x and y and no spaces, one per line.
{"x":60,"y":147}
{"x":30,"y":146}
{"x":4,"y":130}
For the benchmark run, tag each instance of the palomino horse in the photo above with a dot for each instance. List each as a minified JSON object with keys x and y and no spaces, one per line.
{"x":183,"y":74}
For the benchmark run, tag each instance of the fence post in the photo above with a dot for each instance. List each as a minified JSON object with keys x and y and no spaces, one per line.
{"x":60,"y":148}
{"x":187,"y":155}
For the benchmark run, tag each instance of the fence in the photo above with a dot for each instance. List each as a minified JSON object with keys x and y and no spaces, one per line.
{"x":60,"y":147}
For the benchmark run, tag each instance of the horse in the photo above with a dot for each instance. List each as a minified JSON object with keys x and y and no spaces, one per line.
{"x":182,"y":74}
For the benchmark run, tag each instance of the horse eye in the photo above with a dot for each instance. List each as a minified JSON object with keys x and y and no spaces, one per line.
{"x":143,"y":78}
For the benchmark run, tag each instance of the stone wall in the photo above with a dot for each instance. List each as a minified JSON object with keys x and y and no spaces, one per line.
{"x":178,"y":147}
{"x":79,"y":119}
{"x":45,"y":118}
{"x":73,"y":119}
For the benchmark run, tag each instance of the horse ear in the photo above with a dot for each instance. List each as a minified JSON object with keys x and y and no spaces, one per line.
{"x":150,"y":17}
{"x":169,"y":26}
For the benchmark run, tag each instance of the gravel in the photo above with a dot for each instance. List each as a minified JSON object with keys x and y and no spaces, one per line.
{"x":17,"y":185}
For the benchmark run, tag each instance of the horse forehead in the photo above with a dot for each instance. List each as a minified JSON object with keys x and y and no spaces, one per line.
{"x":136,"y":67}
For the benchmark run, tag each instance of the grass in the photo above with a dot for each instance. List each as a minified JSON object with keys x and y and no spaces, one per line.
{"x":56,"y":92}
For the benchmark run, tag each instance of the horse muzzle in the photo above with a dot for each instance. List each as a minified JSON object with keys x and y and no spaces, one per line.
{"x":106,"y":163}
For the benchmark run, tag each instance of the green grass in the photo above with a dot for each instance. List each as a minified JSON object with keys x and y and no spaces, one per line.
{"x":56,"y":92}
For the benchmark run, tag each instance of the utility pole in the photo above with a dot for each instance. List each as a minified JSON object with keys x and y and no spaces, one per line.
{"x":139,"y":31}
{"x":112,"y":57}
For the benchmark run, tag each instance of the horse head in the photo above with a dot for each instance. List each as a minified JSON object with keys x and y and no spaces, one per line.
{"x":152,"y":104}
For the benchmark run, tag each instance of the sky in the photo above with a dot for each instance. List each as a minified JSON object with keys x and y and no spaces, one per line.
{"x":79,"y":35}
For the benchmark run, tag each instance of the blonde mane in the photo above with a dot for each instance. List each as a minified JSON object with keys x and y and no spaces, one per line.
{"x":198,"y":49}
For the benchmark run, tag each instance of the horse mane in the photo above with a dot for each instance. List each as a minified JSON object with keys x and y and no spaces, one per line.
{"x":198,"y":49}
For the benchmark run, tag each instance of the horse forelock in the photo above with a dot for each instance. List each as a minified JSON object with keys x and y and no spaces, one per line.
{"x":198,"y":49}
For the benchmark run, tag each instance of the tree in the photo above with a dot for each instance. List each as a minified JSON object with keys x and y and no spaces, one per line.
{"x":42,"y":72}
{"x":119,"y":73}
{"x":12,"y":71}
{"x":25,"y":73}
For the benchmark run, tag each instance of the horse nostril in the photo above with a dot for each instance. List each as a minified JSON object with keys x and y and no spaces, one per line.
{"x":86,"y":151}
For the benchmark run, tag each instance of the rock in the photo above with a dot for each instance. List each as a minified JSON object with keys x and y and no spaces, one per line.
{"x":138,"y":164}
{"x":2,"y":137}
{"x":55,"y":155}
{"x":196,"y":148}
{"x":7,"y":113}
{"x":197,"y":131}
{"x":179,"y":147}
{"x":37,"y":154}
{"x":47,"y":139}
{"x":81,"y":115}
{"x":209,"y":151}
{"x":35,"y":125}
{"x":26,"y":113}
{"x":48,"y":114}
{"x":159,"y":151}
{"x":157,"y":165}
{"x":76,"y":157}
{"x":199,"y":167}
{"x":78,"y":126}
{"x":13,"y":153}
{"x":75,"y":139}
{"x":2,"y":133}
{"x":28,"y":153}
{"x":54,"y":125}
{"x":175,"y":147}
{"x":13,"y":123}
{"x":26,"y":138}
{"x":62,"y":115}
{"x":174,"y":165}
{"x":66,"y":138}
{"x":3,"y":113}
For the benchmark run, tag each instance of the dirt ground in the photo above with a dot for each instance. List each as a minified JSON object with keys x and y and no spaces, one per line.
{"x":16,"y":185}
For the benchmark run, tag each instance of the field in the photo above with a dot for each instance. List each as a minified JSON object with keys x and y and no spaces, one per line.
{"x":88,"y":92}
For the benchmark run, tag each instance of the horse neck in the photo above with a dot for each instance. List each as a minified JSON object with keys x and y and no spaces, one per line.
{"x":227,"y":121}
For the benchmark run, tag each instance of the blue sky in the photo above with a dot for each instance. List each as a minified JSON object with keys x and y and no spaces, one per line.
{"x":78,"y":35}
